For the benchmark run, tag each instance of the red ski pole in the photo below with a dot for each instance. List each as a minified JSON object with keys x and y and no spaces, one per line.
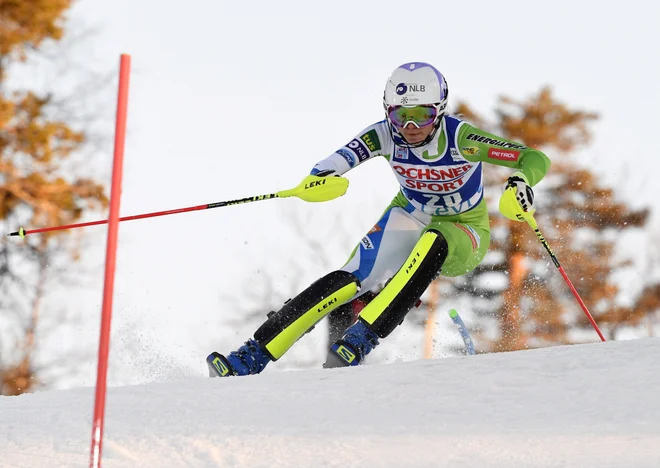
{"x":529,"y":217}
{"x":23,"y":232}
{"x":325,"y":189}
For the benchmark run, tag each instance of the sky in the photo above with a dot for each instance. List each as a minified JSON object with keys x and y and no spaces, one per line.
{"x":568,"y":406}
{"x":234,"y":99}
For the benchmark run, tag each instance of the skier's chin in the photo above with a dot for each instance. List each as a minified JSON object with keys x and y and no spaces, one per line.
{"x":416,"y":136}
{"x":415,"y":139}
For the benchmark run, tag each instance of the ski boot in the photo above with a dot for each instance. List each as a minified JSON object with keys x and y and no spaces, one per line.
{"x":357,"y":342}
{"x":249,"y":359}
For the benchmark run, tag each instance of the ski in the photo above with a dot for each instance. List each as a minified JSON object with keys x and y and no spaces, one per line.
{"x":462,"y":329}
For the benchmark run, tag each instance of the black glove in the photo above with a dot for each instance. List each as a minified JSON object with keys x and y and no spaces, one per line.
{"x":326,"y":173}
{"x":524,"y":193}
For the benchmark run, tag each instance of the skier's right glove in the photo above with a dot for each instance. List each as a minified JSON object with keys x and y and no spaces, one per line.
{"x":319,"y":188}
{"x":518,"y":198}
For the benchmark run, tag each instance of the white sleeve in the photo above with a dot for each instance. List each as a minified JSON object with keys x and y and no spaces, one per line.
{"x":373,"y":141}
{"x":335,"y":163}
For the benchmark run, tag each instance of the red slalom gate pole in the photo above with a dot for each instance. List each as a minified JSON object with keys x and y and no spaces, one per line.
{"x":110,"y":259}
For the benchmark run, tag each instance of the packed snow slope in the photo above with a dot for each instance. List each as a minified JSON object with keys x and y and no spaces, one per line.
{"x":575,"y":406}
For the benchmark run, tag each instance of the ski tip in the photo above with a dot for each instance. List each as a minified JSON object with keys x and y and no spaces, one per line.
{"x":453,"y":313}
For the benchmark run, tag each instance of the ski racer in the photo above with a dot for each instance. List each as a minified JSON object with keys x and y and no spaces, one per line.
{"x":437,"y":224}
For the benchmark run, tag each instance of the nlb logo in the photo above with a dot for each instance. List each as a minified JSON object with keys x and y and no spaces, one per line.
{"x":366,"y":243}
{"x":359,"y":149}
{"x":403,"y":88}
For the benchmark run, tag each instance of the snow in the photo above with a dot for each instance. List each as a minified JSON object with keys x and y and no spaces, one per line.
{"x":572,"y":406}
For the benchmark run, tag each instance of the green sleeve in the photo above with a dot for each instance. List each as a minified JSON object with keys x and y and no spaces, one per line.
{"x":476,"y":145}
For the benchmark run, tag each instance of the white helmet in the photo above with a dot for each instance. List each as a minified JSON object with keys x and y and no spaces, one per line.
{"x":415,"y":84}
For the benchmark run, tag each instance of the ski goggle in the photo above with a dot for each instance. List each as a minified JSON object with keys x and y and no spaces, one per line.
{"x":419,"y":116}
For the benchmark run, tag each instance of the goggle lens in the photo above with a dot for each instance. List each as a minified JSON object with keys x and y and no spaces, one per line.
{"x":420,"y":116}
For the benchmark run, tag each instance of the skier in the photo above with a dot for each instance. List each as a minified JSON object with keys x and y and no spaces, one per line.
{"x":437,"y":224}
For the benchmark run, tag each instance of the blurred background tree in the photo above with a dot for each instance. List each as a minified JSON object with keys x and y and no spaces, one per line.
{"x":517,"y":290}
{"x":37,"y":188}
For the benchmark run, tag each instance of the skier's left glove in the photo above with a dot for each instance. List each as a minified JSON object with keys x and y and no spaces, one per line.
{"x":518,"y":197}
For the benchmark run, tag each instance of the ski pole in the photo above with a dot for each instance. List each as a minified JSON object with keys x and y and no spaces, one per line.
{"x":23,"y":232}
{"x":308,"y":191}
{"x":528,"y":216}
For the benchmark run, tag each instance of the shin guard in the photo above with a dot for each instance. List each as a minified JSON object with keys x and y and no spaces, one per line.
{"x":391,"y":305}
{"x":300,"y":314}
